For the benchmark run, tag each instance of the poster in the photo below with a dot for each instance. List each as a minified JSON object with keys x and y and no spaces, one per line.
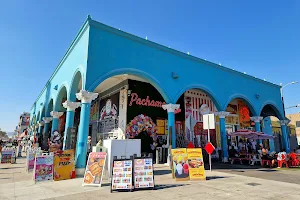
{"x":123,"y":111}
{"x":30,"y":158}
{"x":143,"y":173}
{"x":196,"y":164}
{"x":122,"y":175}
{"x":64,"y":165}
{"x":6,"y":156}
{"x":94,"y":169}
{"x":43,"y":168}
{"x":180,"y":164}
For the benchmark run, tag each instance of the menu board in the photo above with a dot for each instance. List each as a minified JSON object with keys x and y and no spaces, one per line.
{"x":43,"y":168}
{"x":180,"y":164}
{"x":64,"y":165}
{"x":143,"y":173}
{"x":122,"y":175}
{"x":30,"y":161}
{"x":6,"y":156}
{"x":94,"y":169}
{"x":196,"y":164}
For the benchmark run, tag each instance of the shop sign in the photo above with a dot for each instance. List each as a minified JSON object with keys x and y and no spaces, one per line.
{"x":30,"y":160}
{"x":244,"y":114}
{"x":143,"y":173}
{"x":64,"y":165}
{"x":43,"y":168}
{"x":94,"y":115}
{"x":94,"y":169}
{"x":144,"y":102}
{"x":122,"y":175}
{"x":180,"y":169}
{"x":232,"y":120}
{"x":123,"y":110}
{"x":232,"y":109}
{"x":196,"y":164}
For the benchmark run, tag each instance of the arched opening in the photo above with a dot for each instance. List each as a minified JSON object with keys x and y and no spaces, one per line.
{"x":189,"y":120}
{"x":271,"y":126}
{"x":240,"y":110}
{"x":61,"y":97}
{"x":129,"y":106}
{"x":76,"y":86}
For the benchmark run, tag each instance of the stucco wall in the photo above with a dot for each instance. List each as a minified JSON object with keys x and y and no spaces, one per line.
{"x":113,"y":52}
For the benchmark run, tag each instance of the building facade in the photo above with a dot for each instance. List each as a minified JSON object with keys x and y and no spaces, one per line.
{"x":114,"y":84}
{"x":295,"y":120}
{"x":23,"y":124}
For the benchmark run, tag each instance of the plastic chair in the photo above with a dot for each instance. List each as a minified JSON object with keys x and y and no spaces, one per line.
{"x":283,"y":161}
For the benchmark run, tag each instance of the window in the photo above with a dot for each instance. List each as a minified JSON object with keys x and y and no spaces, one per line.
{"x":297,"y":123}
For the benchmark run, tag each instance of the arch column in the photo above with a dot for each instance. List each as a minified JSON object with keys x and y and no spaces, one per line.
{"x":267,"y":129}
{"x":257,"y":120}
{"x":81,"y":148}
{"x":222,"y":115}
{"x":70,"y":106}
{"x":171,"y":121}
{"x":285,"y":136}
{"x":56,"y":115}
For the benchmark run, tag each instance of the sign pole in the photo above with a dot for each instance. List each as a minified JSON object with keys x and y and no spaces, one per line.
{"x":208,"y":135}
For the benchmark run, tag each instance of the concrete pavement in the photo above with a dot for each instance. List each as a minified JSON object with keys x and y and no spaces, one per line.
{"x":16,"y":184}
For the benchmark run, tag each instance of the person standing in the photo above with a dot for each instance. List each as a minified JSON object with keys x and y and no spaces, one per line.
{"x":89,"y":146}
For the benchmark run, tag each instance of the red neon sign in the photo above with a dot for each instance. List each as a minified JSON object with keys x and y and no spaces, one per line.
{"x":144,"y":102}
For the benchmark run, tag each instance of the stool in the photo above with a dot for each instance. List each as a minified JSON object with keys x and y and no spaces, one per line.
{"x":268,"y":162}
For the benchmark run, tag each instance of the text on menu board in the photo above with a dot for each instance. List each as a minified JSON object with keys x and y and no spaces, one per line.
{"x":143,"y":173}
{"x":122,"y":175}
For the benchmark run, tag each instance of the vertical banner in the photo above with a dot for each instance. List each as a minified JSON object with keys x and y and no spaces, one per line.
{"x":122,"y":175}
{"x":123,"y":113}
{"x":43,"y":168}
{"x":180,"y":164}
{"x":196,"y":164}
{"x":64,"y":165}
{"x":143,"y":173}
{"x":30,"y":158}
{"x":94,"y":169}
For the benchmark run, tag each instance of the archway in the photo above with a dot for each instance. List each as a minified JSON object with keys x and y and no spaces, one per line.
{"x":189,"y":119}
{"x":128,"y":105}
{"x":61,"y":97}
{"x":240,"y":112}
{"x":272,"y":126}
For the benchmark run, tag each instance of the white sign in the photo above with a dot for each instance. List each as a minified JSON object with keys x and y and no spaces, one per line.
{"x":204,"y":109}
{"x":122,"y":113}
{"x":209,"y":121}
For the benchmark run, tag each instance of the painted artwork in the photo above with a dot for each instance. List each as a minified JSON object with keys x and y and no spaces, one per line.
{"x":244,"y":114}
{"x":43,"y":168}
{"x":108,"y":121}
{"x":180,"y":164}
{"x":94,"y":115}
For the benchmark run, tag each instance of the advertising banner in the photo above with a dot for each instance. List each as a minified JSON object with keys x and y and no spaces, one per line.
{"x":94,"y":169}
{"x":43,"y":168}
{"x":30,"y":158}
{"x":6,"y":156}
{"x":196,"y":164}
{"x":64,"y":165}
{"x":122,"y":175}
{"x":180,"y":164}
{"x":143,"y":173}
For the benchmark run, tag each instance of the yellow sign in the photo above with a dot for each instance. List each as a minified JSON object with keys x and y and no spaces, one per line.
{"x":180,"y":164}
{"x":196,"y":164}
{"x":64,"y":165}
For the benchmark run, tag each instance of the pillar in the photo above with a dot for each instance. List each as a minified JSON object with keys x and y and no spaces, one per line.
{"x":285,"y":136}
{"x":257,"y":120}
{"x":46,"y":120}
{"x":267,"y":129}
{"x":41,"y":124}
{"x":222,"y":115}
{"x":56,"y":115}
{"x":81,"y":148}
{"x":70,"y":106}
{"x":171,"y":120}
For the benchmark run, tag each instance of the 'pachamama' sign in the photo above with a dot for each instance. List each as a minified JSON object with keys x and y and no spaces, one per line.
{"x":144,"y":102}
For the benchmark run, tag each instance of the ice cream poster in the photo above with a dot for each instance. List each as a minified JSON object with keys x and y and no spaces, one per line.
{"x":43,"y":168}
{"x":180,"y":164}
{"x":64,"y":165}
{"x":94,"y":169}
{"x":196,"y":164}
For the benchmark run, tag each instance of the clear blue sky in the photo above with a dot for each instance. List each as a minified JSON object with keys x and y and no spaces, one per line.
{"x":261,"y":38}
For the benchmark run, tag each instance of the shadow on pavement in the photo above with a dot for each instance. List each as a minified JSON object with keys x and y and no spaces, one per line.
{"x":216,"y":177}
{"x":162,"y":172}
{"x":161,"y":187}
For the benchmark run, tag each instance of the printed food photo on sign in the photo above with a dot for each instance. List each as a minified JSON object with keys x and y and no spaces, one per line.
{"x":143,"y":173}
{"x":196,"y":164}
{"x":94,"y":169}
{"x":64,"y":165}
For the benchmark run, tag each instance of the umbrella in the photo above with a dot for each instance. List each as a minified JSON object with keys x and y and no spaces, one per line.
{"x":242,"y":133}
{"x":261,"y":136}
{"x":251,"y":134}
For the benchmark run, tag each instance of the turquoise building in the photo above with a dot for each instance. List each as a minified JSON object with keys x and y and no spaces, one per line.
{"x":101,"y":57}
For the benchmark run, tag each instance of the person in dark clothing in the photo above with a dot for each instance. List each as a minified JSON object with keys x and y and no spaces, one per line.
{"x":233,"y":153}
